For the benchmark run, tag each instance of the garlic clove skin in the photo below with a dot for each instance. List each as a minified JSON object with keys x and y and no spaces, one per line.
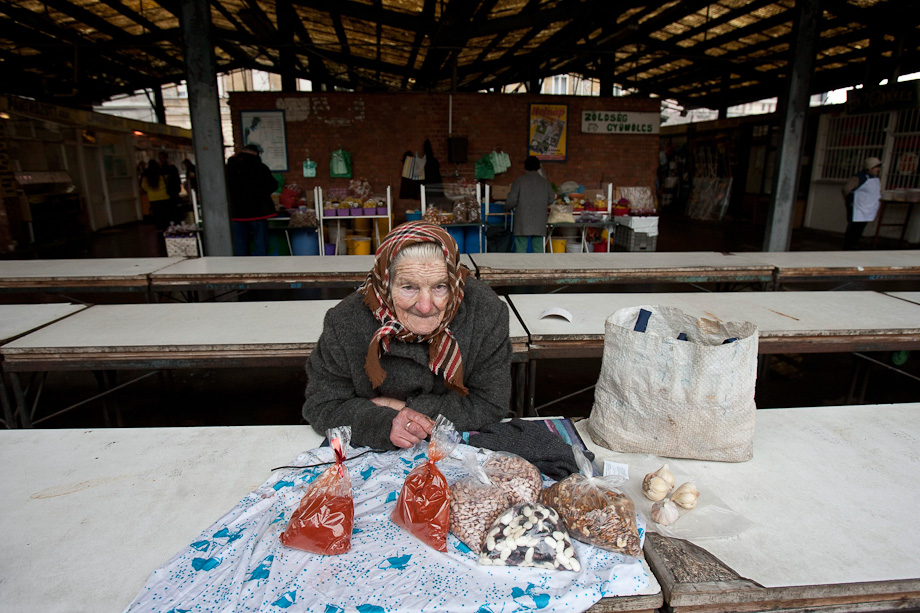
{"x":665,"y":512}
{"x":666,"y":474}
{"x":686,"y":495}
{"x":654,"y":487}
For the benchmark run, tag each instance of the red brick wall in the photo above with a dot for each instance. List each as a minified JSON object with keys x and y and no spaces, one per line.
{"x":377,"y":128}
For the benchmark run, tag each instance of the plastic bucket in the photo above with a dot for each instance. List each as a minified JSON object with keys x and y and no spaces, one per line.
{"x":304,"y":241}
{"x":329,"y":248}
{"x":558,"y":245}
{"x":458,"y":235}
{"x":471,"y":239}
{"x":572,"y":246}
{"x":600,"y":247}
{"x":416,"y":216}
{"x":358,"y":245}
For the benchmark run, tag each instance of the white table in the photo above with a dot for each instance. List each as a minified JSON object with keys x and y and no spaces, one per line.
{"x":19,"y":319}
{"x":839,"y":266}
{"x":787,"y":322}
{"x":189,"y":335}
{"x":90,"y":274}
{"x":242,"y":273}
{"x":909,"y":296}
{"x":825,"y":492}
{"x":90,"y":514}
{"x":503,"y":269}
{"x":804,"y":322}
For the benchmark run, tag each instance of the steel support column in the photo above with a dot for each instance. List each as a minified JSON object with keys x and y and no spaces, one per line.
{"x":780,"y":216}
{"x":204,"y":108}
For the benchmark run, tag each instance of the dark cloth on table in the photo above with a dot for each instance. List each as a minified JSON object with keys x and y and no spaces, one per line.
{"x":532,"y":441}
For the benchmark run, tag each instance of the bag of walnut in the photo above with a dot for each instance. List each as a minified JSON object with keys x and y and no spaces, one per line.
{"x":594,"y":510}
{"x":676,"y":386}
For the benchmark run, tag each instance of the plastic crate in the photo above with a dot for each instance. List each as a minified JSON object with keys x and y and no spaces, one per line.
{"x":627,"y":239}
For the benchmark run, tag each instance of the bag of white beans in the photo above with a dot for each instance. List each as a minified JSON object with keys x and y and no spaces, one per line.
{"x":476,"y":501}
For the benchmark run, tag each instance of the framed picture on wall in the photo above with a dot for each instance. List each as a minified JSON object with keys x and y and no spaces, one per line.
{"x":548,"y":131}
{"x":266,"y":130}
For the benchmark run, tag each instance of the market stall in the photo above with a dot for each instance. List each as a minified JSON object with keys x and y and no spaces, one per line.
{"x":84,"y":275}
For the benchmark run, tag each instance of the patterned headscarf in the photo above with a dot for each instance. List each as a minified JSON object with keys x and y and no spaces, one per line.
{"x":443,"y":351}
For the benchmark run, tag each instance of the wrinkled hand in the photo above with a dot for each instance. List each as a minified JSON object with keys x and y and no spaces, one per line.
{"x":409,"y":428}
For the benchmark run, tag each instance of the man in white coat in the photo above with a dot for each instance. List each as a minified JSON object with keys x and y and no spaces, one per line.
{"x":861,"y":195}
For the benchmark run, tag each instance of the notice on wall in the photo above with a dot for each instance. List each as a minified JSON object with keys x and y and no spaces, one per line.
{"x":266,"y":130}
{"x":548,"y":124}
{"x":622,"y":122}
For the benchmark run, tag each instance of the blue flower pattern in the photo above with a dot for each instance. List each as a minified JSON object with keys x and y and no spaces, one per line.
{"x":238,"y":563}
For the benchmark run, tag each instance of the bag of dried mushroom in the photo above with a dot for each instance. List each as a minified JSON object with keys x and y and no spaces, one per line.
{"x":476,"y":501}
{"x":594,"y":510}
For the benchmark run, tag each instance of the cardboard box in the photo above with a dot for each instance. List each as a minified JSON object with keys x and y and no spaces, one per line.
{"x":500,"y":192}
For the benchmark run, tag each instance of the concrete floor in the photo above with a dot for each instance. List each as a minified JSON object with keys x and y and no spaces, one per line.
{"x":274,"y":395}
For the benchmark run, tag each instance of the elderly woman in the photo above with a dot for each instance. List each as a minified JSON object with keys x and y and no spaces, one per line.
{"x":418,"y":339}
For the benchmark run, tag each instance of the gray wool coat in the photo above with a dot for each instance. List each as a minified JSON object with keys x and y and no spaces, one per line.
{"x":530,"y":194}
{"x":339,"y":391}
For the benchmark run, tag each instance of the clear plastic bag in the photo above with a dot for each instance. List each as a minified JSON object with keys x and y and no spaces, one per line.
{"x":423,"y":506}
{"x":594,"y":510}
{"x":515,"y":474}
{"x":475,"y":502}
{"x":529,"y":534}
{"x":325,"y":517}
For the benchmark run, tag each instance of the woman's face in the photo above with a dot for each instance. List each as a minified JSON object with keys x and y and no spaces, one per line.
{"x":420,"y":293}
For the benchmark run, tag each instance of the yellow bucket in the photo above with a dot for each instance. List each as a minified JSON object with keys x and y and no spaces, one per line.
{"x":358,"y":245}
{"x":558,"y":245}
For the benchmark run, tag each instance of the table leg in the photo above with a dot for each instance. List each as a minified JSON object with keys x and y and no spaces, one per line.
{"x":25,"y":418}
{"x":8,"y":415}
{"x":531,"y":388}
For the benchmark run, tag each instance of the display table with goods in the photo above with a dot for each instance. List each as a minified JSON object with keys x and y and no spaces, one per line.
{"x":814,"y":521}
{"x":457,"y":207}
{"x":787,"y":322}
{"x":572,"y":269}
{"x":335,"y":206}
{"x":176,"y":519}
{"x":839,"y":266}
{"x":245,"y":273}
{"x":15,"y":321}
{"x":84,"y":275}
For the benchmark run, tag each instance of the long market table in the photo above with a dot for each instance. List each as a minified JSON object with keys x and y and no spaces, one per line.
{"x":838,"y":266}
{"x":787,"y":322}
{"x":244,"y":273}
{"x":17,"y":320}
{"x":189,"y":335}
{"x":509,"y":269}
{"x":90,"y":514}
{"x":825,"y":494}
{"x":83,"y":275}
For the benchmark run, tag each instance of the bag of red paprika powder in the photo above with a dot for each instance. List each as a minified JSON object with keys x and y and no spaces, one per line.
{"x":324,"y":519}
{"x":423,"y":506}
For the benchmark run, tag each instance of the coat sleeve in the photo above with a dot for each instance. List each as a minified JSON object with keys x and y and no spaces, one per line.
{"x":331,"y":400}
{"x":514,"y":195}
{"x":488,"y":379}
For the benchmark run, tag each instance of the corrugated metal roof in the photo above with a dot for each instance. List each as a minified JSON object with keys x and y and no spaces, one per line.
{"x":708,"y":54}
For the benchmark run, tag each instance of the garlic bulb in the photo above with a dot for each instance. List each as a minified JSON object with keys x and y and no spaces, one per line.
{"x":686,"y":495}
{"x":665,"y":474}
{"x":654,"y":487}
{"x":665,"y":512}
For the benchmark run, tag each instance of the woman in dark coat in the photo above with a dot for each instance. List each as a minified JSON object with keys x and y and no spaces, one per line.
{"x":420,"y":338}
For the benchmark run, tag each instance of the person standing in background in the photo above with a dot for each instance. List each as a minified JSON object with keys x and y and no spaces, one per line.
{"x":250,"y":185}
{"x":154,"y":185}
{"x":861,"y":194}
{"x":530,"y":195}
{"x":173,"y":187}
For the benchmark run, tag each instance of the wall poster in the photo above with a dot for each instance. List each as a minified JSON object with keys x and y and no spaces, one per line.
{"x":266,"y":130}
{"x":548,"y":131}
